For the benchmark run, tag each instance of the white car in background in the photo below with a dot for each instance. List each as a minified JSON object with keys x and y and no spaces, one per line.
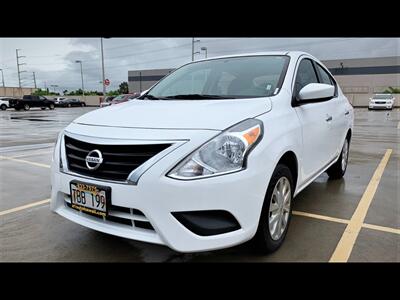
{"x":4,"y":104}
{"x":58,"y":100}
{"x":210,"y":157}
{"x":381,"y":101}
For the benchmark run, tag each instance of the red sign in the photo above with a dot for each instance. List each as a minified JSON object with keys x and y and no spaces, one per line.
{"x":106,"y":82}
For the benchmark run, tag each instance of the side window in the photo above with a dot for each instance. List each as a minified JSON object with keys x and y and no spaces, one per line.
{"x":41,"y":98}
{"x":326,"y":78}
{"x":305,"y":75}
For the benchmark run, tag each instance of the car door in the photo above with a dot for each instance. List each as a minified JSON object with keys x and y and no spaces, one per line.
{"x":315,"y":119}
{"x":336,"y":108}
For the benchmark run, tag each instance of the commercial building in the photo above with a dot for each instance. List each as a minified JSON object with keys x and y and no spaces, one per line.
{"x":141,"y":80}
{"x":359,"y":78}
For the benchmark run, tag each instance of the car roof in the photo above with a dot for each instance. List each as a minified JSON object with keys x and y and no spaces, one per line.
{"x":263,"y":53}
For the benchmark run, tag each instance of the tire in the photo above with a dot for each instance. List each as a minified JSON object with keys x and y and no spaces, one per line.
{"x":43,"y":108}
{"x":3,"y":107}
{"x":69,"y":105}
{"x":51,"y":106}
{"x":83,"y":104}
{"x":265,"y":240}
{"x":338,"y":169}
{"x":27,"y":107}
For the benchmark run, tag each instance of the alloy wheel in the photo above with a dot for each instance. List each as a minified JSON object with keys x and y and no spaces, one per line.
{"x":279,"y":208}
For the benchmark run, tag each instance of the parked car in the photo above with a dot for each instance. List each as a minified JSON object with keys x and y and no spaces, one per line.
{"x":4,"y":102}
{"x":381,"y":101}
{"x":69,"y":102}
{"x":29,"y":101}
{"x":107,"y":101}
{"x":216,"y":163}
{"x":57,"y":100}
{"x":123,"y":98}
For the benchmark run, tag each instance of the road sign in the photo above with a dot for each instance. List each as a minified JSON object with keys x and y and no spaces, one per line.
{"x":106,"y":82}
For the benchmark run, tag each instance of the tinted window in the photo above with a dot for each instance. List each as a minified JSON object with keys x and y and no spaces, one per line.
{"x":237,"y":77}
{"x":305,"y":75}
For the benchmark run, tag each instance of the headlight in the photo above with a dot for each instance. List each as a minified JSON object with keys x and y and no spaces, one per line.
{"x":225,"y":153}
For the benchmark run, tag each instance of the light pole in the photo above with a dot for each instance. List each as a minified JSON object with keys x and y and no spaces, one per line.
{"x":2,"y":77}
{"x":194,"y":41}
{"x":34,"y":79}
{"x":204,"y":49}
{"x":102,"y":66}
{"x":83,"y":90}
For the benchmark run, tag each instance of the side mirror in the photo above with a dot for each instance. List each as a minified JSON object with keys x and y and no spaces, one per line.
{"x":316,"y":91}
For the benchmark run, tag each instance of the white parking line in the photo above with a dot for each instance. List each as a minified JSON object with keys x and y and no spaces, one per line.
{"x":8,"y":211}
{"x":25,"y":161}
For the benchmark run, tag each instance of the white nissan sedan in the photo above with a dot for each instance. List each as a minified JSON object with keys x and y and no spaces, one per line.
{"x":209,"y":157}
{"x":381,"y":101}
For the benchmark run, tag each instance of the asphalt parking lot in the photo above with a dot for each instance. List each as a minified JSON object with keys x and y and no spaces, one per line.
{"x":356,"y":219}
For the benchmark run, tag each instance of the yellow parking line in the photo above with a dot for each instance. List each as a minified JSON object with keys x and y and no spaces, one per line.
{"x":346,"y":243}
{"x":320,"y":217}
{"x":381,"y":228}
{"x":25,"y":161}
{"x":8,"y":211}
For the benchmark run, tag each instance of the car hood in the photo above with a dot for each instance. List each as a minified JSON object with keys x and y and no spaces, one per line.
{"x":180,"y":114}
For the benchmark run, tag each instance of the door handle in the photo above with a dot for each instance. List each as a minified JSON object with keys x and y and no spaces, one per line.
{"x":328,"y":118}
{"x":346,"y":113}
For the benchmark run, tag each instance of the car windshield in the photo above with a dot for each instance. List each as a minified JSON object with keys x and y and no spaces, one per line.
{"x":223,"y":78}
{"x":387,"y":96}
{"x":120,"y":97}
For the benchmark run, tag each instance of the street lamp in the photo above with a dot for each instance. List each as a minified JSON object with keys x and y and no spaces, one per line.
{"x":2,"y":76}
{"x":204,"y":49}
{"x":102,"y":67}
{"x":83,"y":90}
{"x":194,"y":41}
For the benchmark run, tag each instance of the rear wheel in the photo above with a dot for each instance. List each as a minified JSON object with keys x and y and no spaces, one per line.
{"x":83,"y":104}
{"x":276,"y":212}
{"x":43,"y":108}
{"x":69,"y":105}
{"x":338,"y":169}
{"x":3,"y":107}
{"x":27,"y":107}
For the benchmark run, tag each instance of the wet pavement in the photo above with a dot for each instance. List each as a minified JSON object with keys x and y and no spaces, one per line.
{"x":36,"y":234}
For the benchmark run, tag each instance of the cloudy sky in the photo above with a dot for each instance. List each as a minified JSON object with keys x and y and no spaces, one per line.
{"x":53,"y":59}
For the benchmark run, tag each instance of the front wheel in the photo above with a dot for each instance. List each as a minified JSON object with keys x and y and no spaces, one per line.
{"x":43,"y":108}
{"x":276,"y":212}
{"x":337,"y":170}
{"x":51,"y":106}
{"x":27,"y":107}
{"x":3,"y":107}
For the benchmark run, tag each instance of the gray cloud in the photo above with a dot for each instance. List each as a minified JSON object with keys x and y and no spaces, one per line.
{"x":54,"y":59}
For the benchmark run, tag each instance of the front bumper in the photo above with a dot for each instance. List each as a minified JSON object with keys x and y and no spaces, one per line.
{"x":380,"y":106}
{"x":241,"y":194}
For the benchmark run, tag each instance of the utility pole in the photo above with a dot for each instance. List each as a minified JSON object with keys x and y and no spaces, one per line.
{"x":193,"y":53}
{"x":2,"y":76}
{"x":83,"y":89}
{"x":18,"y":64}
{"x":102,"y":66}
{"x":34,"y":79}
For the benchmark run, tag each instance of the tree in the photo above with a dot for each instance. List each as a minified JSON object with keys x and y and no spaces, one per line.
{"x":123,"y":88}
{"x":392,"y":90}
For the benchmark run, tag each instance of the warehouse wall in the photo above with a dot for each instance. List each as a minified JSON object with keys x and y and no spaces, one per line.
{"x":15,"y":91}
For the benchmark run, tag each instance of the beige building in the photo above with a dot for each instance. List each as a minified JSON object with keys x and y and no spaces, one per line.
{"x":15,"y":91}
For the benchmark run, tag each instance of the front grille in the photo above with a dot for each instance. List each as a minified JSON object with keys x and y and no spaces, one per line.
{"x":380,"y":102}
{"x":118,"y":160}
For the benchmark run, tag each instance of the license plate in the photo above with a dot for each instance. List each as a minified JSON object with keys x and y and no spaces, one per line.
{"x":92,"y":199}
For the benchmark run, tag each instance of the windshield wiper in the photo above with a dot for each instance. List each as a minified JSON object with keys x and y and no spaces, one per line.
{"x":148,"y":96}
{"x":196,"y":97}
